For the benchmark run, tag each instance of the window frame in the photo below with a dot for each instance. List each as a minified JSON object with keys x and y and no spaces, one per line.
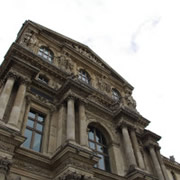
{"x":34,"y":130}
{"x":84,"y":76}
{"x":46,"y":53}
{"x":103,"y":144}
{"x":116,"y":94}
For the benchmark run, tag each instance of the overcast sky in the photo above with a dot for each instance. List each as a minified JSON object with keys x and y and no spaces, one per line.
{"x":140,"y":39}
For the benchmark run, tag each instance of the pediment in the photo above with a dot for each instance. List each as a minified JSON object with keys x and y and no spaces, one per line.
{"x":79,"y":48}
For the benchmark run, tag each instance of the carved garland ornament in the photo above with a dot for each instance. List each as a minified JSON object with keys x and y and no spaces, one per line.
{"x":74,"y":176}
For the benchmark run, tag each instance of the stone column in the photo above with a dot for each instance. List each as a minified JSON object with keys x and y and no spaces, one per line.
{"x":70,"y":120}
{"x":137,"y":149}
{"x":83,"y":125}
{"x":5,"y":95}
{"x":156,"y":162}
{"x":61,"y":122}
{"x":16,"y":110}
{"x":128,"y":147}
{"x":4,"y":168}
{"x":162,"y":164}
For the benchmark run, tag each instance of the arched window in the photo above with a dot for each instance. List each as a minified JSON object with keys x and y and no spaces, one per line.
{"x":98,"y":144}
{"x":46,"y":53}
{"x":43,"y":79}
{"x":115,"y":94}
{"x":84,"y":76}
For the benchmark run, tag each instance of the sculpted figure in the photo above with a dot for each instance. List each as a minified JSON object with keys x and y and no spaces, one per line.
{"x":130,"y":100}
{"x":29,"y":39}
{"x":65,"y":62}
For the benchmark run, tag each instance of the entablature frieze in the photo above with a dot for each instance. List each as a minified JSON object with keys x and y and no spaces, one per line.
{"x":31,"y":98}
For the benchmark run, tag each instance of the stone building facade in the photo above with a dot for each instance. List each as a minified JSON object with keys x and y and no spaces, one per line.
{"x":67,"y":115}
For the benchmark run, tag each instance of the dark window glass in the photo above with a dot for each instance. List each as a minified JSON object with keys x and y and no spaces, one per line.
{"x":84,"y":76}
{"x":46,"y":53}
{"x":116,"y":95}
{"x":34,"y":131}
{"x":97,"y":143}
{"x":43,"y":79}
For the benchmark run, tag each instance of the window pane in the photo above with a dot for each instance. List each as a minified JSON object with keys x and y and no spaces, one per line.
{"x":28,"y":135}
{"x":31,"y":114}
{"x":101,"y":162}
{"x":91,"y":145}
{"x":99,"y":148}
{"x":91,"y":134}
{"x":37,"y":142}
{"x":39,"y":127}
{"x":40,"y":118}
{"x":103,"y":140}
{"x":30,"y":123}
{"x":105,"y":150}
{"x":98,"y":137}
{"x":107,"y":166}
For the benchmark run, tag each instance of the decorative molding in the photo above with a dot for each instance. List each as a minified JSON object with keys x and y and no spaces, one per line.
{"x":103,"y":85}
{"x":29,"y":167}
{"x":5,"y":165}
{"x":28,"y":39}
{"x":65,"y":63}
{"x":6,"y":147}
{"x":85,"y":52}
{"x":69,"y":175}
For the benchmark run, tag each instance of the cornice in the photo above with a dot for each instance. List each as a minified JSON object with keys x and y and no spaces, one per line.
{"x":150,"y":137}
{"x":171,"y":164}
{"x":10,"y":135}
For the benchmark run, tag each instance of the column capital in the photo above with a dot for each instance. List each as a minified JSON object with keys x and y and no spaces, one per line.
{"x":123,"y":124}
{"x":4,"y":165}
{"x":24,"y":80}
{"x":12,"y":74}
{"x":71,"y":97}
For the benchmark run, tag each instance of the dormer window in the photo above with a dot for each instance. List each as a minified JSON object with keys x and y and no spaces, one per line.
{"x":43,"y":79}
{"x":46,"y":53}
{"x":84,"y":76}
{"x":116,"y":95}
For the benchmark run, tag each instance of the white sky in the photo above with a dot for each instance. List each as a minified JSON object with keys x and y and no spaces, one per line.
{"x":140,"y":39}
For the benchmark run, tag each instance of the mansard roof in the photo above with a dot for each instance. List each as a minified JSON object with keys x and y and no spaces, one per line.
{"x":77,"y":47}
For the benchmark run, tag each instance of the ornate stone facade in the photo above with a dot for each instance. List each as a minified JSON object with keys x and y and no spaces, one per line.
{"x":66,"y":115}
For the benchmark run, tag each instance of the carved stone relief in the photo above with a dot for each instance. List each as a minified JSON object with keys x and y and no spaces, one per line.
{"x":69,"y":175}
{"x":85,"y":52}
{"x":103,"y":85}
{"x":5,"y":164}
{"x":28,"y":39}
{"x":65,"y":63}
{"x":129,"y":100}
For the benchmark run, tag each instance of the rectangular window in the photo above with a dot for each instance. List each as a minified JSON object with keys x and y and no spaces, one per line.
{"x":34,"y":130}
